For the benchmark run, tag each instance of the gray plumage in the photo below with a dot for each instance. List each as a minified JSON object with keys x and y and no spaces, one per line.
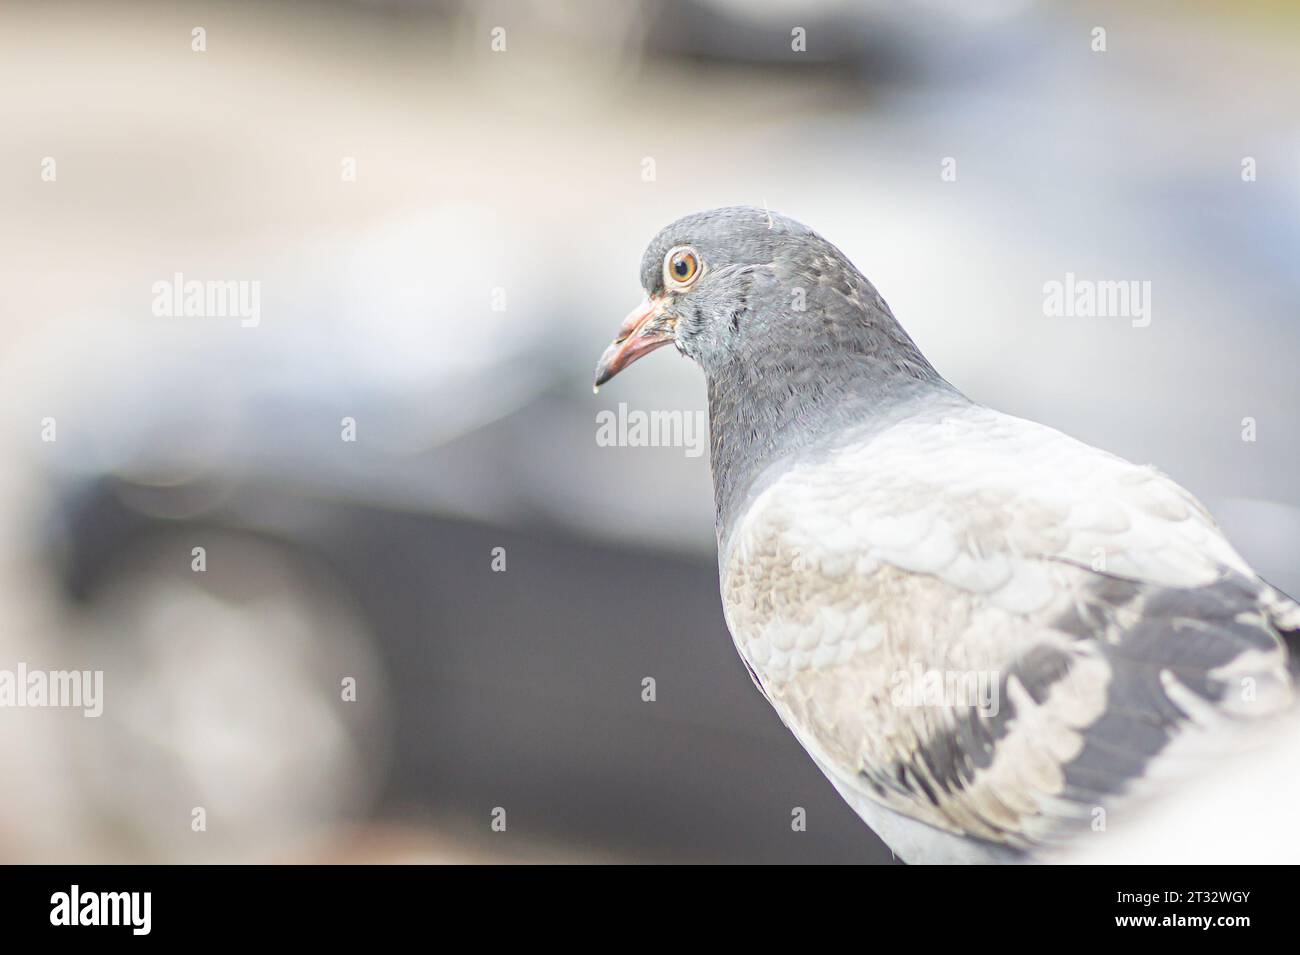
{"x":876,"y":527}
{"x":793,"y":340}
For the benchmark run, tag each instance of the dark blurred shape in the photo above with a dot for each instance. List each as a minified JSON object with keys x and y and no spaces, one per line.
{"x":520,"y":689}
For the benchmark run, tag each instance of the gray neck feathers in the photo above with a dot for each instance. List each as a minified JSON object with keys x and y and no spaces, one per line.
{"x":767,"y":403}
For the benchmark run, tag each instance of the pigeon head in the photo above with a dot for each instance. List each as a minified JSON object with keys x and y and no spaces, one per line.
{"x":794,"y":342}
{"x":743,"y":285}
{"x":698,"y":274}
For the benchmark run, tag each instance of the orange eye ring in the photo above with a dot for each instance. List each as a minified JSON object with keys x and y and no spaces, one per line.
{"x":681,"y":267}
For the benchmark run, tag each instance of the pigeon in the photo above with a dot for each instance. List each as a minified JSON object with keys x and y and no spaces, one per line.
{"x":989,"y":636}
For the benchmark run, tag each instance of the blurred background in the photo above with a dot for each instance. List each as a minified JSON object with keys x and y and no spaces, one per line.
{"x":451,"y":298}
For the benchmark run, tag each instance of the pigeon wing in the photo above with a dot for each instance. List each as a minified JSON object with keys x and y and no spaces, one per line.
{"x":987,"y":626}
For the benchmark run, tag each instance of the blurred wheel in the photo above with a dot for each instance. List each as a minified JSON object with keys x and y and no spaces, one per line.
{"x":225,"y":731}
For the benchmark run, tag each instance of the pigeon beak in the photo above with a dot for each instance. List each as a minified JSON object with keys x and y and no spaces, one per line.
{"x":645,"y":329}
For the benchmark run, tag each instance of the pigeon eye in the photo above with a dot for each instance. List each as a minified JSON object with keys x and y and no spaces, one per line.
{"x":681,"y":266}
